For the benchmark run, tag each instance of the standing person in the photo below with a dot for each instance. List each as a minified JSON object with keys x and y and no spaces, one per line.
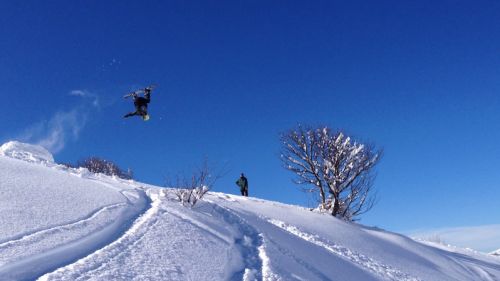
{"x":242,"y":182}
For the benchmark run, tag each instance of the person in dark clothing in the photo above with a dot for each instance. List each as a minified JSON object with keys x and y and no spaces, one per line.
{"x":242,"y":182}
{"x":141,"y":104}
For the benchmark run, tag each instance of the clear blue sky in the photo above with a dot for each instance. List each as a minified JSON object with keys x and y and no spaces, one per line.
{"x":420,"y":79}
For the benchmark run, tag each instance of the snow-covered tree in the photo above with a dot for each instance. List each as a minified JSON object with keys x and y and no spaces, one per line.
{"x":331,"y":164}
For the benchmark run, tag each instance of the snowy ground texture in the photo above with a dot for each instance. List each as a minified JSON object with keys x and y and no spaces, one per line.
{"x":67,"y":224}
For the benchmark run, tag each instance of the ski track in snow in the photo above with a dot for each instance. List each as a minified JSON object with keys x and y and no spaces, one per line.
{"x":380,"y":269}
{"x":267,"y":273}
{"x":98,"y":259}
{"x":135,"y":232}
{"x":127,"y":194}
{"x":66,"y":226}
{"x":251,"y":247}
{"x":474,"y":269}
{"x":49,"y":238}
{"x":31,"y":254}
{"x":102,"y":264}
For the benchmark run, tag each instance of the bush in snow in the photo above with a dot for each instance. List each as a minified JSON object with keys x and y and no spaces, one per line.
{"x":189,"y":190}
{"x":98,"y":165}
{"x":334,"y":166}
{"x":68,"y":165}
{"x":191,"y":196}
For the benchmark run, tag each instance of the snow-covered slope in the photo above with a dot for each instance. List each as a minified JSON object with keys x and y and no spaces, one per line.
{"x":66,"y":224}
{"x":495,"y":253}
{"x":51,"y":216}
{"x":26,"y":152}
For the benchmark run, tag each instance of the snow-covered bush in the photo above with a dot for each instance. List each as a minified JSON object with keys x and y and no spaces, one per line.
{"x":334,"y":166}
{"x":190,"y":190}
{"x":191,"y":196}
{"x":98,"y":165}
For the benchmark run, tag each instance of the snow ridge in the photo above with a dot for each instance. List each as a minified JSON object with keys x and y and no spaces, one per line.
{"x":26,"y":152}
{"x":380,"y":269}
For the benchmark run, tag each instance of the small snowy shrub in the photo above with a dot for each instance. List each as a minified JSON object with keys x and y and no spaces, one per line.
{"x":190,"y":196}
{"x":190,"y":190}
{"x":98,"y":165}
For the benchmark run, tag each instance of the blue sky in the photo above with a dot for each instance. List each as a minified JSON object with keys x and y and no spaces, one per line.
{"x":420,"y":80}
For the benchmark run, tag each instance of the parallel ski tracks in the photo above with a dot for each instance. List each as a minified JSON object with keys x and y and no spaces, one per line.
{"x":99,"y":258}
{"x":41,"y":233}
{"x":46,"y":249}
{"x":251,"y":244}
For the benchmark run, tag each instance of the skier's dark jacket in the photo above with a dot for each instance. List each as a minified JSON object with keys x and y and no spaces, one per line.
{"x":141,"y":103}
{"x":242,"y":182}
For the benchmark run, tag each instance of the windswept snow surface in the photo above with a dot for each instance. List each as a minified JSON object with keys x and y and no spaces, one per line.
{"x":26,"y":152}
{"x":66,"y":224}
{"x":51,"y":216}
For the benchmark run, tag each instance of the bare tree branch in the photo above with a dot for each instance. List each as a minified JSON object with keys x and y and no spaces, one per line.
{"x":189,"y":190}
{"x":335,"y":166}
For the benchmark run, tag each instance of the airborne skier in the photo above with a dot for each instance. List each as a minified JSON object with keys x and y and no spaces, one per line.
{"x":140,"y":103}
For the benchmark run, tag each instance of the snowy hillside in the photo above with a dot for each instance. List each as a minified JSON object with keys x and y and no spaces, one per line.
{"x":67,"y":224}
{"x":496,"y":253}
{"x":26,"y":152}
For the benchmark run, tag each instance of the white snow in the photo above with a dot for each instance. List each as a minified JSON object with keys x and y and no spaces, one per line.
{"x":26,"y":152}
{"x":495,"y":253}
{"x":66,"y":224}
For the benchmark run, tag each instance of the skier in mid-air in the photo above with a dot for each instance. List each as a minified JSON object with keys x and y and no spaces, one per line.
{"x":141,"y":103}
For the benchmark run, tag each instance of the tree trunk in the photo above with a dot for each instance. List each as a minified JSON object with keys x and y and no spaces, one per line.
{"x":336,"y":205}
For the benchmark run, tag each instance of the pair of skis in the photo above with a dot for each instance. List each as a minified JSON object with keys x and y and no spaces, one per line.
{"x":136,"y":93}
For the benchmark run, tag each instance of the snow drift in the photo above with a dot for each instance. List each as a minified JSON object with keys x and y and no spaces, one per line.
{"x":51,"y":215}
{"x":26,"y":152}
{"x":65,"y":224}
